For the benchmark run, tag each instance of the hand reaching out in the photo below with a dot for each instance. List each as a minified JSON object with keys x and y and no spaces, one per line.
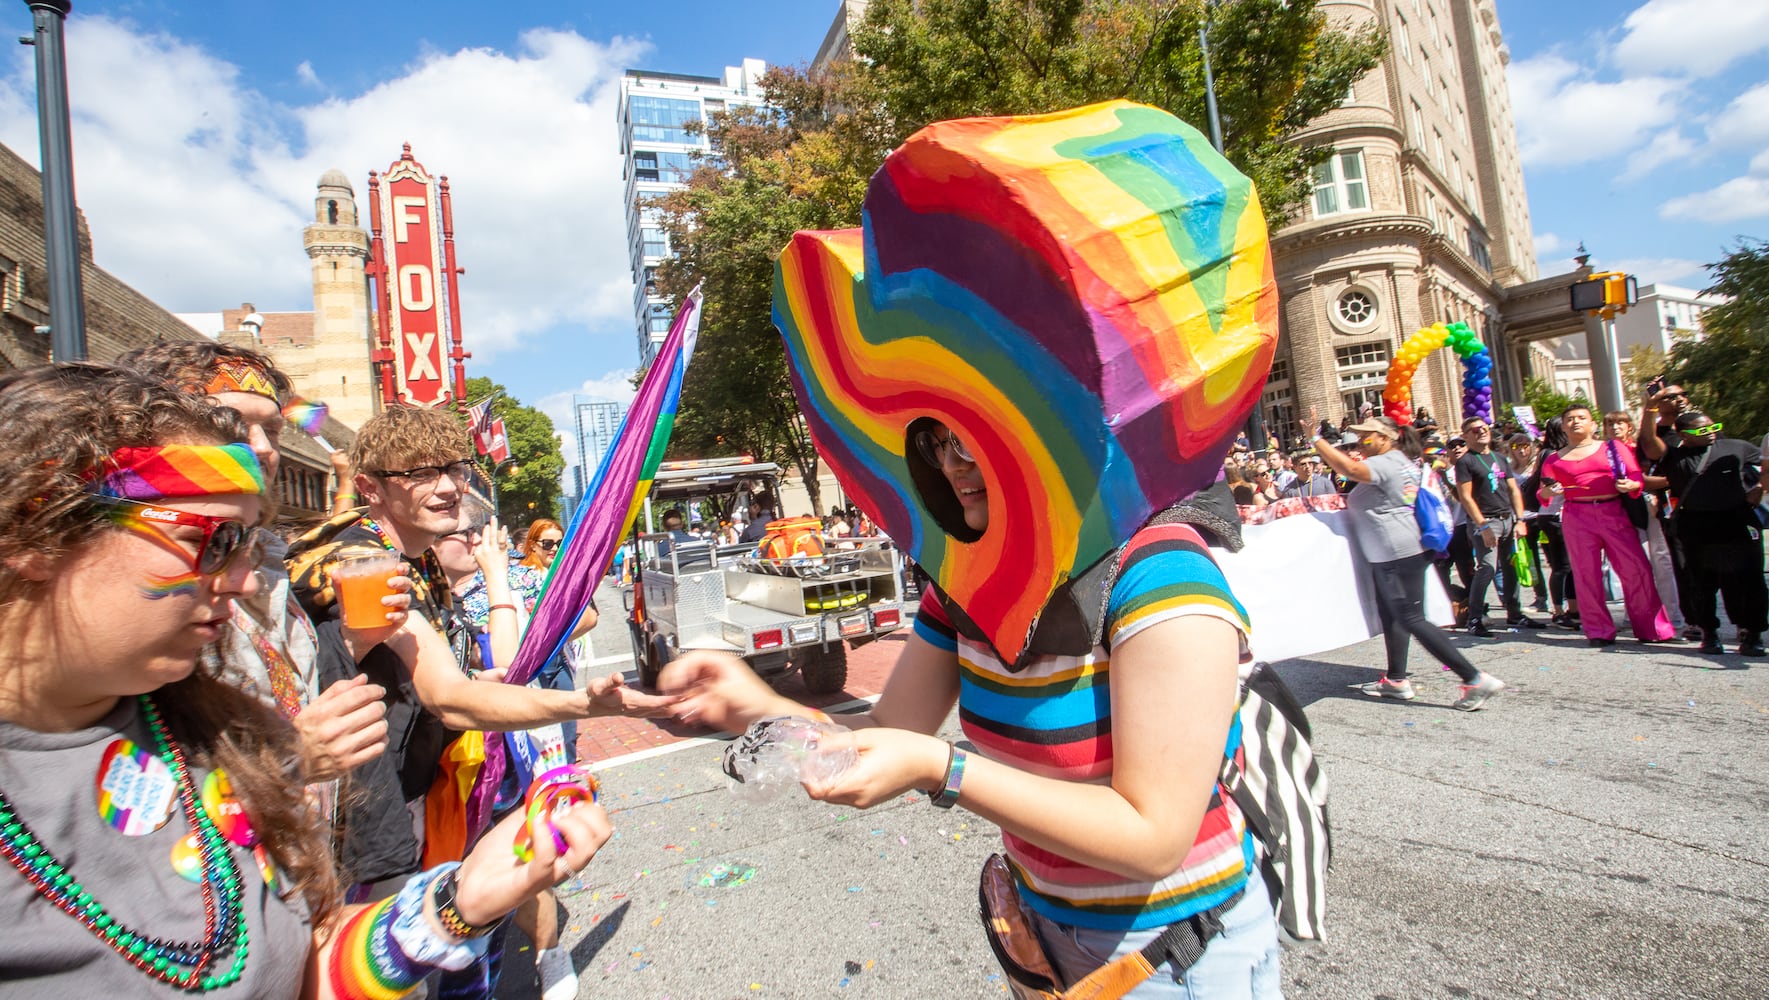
{"x":610,"y":696}
{"x":492,"y":882}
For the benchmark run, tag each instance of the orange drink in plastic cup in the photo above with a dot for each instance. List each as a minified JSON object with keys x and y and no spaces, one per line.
{"x":361,"y":582}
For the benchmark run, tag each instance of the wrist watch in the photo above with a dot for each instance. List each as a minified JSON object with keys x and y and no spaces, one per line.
{"x":449,"y":916}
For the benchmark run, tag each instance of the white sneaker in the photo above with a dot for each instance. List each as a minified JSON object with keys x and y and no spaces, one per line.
{"x":558,"y":978}
{"x":1475,"y":695}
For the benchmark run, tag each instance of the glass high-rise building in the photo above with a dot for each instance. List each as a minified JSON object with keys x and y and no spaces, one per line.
{"x":660,"y":150}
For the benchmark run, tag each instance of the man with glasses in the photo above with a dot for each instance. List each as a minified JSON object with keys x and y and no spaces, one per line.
{"x":1487,"y":489}
{"x":413,"y":471}
{"x":1715,"y":485}
{"x":1311,"y":481}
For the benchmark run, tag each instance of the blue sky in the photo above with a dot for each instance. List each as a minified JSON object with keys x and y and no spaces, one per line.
{"x":200,"y":129}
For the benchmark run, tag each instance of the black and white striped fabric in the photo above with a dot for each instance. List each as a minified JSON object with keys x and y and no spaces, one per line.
{"x":1282,"y":791}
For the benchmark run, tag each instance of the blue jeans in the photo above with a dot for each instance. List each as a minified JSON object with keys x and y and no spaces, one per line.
{"x":1241,"y":963}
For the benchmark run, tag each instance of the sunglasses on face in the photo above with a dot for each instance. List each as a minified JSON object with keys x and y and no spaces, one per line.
{"x":549,"y":544}
{"x":1713,"y":428}
{"x":933,"y":447}
{"x":429,"y":475}
{"x":223,"y":537}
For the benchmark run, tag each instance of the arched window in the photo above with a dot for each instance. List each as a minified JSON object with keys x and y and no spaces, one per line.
{"x":332,"y":212}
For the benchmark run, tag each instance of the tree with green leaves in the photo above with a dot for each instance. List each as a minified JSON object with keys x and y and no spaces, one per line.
{"x":803,"y":161}
{"x":1547,"y":401}
{"x":528,"y":486}
{"x":1727,"y":371}
{"x":1277,"y":65}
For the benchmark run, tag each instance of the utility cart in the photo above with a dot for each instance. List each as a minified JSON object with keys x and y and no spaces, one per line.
{"x":781,"y":614}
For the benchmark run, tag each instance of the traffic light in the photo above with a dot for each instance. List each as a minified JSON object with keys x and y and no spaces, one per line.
{"x":1608,"y":292}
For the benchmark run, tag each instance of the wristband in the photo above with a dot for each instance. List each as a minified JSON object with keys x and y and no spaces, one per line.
{"x":504,"y":607}
{"x":947,"y":796}
{"x":449,"y":916}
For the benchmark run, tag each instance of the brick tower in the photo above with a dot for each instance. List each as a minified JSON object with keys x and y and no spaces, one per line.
{"x":338,"y":366}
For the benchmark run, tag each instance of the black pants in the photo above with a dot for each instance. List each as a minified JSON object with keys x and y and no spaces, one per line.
{"x":1492,"y":565}
{"x":1400,"y":604}
{"x":1723,"y":556}
{"x":1680,"y":569}
{"x":1553,"y":546}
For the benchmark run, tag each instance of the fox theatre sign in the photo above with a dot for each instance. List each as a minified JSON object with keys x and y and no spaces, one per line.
{"x":418,"y":299}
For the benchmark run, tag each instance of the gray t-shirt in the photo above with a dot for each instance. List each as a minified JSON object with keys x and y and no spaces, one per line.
{"x":51,"y":780}
{"x":1382,"y":509}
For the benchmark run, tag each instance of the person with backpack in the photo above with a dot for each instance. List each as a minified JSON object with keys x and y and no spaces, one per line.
{"x":1091,"y":792}
{"x":1388,"y":536}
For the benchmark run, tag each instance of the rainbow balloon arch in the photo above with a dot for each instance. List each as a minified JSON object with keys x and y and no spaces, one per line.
{"x":1477,"y":371}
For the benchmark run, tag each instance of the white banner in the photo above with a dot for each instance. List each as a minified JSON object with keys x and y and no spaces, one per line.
{"x":1305,"y":587}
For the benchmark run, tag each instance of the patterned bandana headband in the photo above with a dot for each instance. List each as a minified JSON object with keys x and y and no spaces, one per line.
{"x":181,"y":470}
{"x":238,"y":375}
{"x":1085,"y":299}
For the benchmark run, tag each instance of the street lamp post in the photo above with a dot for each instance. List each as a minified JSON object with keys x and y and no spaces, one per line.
{"x":67,"y":301}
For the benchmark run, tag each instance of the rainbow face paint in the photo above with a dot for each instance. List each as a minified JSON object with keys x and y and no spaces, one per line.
{"x":184,"y":585}
{"x":1086,"y":299}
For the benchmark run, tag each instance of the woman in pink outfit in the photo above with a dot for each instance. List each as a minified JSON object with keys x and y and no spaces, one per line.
{"x":1591,"y":474}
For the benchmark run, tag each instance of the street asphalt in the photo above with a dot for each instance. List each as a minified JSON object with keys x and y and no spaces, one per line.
{"x":1601,"y":829}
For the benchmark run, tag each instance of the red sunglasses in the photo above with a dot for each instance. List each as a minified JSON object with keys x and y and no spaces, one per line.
{"x":223,"y":537}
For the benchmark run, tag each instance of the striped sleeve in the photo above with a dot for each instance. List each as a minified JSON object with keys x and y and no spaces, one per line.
{"x":932,"y":624}
{"x":1168,"y":572}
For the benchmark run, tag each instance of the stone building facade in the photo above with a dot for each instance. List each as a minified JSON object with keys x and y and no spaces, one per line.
{"x":1418,"y":217}
{"x":118,"y":319}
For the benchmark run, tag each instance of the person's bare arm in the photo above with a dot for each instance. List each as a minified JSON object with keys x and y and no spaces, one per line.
{"x":1465,"y":494}
{"x":1171,"y":712}
{"x":1651,"y":446}
{"x":1351,"y":468}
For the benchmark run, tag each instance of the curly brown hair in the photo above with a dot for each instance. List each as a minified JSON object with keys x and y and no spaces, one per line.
{"x":187,"y":363}
{"x":46,"y":470}
{"x":404,"y":437}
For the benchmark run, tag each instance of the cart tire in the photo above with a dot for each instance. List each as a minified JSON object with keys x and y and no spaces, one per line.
{"x":824,"y":669}
{"x":657,"y":653}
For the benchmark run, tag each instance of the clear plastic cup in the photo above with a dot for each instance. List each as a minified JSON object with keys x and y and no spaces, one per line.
{"x":361,"y":580}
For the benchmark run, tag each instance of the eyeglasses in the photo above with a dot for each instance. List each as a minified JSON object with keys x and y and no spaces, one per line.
{"x":427,"y":475}
{"x":223,"y":537}
{"x":549,"y":544}
{"x":1713,"y":428}
{"x":933,"y":448}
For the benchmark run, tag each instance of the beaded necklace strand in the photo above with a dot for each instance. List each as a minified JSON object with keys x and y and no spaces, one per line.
{"x":180,"y":964}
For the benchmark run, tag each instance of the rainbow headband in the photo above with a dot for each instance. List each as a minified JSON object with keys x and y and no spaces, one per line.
{"x":238,"y":375}
{"x":1085,"y":298}
{"x":180,"y":470}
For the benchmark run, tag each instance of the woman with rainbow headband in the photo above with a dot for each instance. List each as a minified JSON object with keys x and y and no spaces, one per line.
{"x":155,"y":816}
{"x":1045,"y":339}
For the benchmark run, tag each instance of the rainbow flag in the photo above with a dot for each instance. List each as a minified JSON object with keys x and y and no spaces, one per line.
{"x":612,"y":500}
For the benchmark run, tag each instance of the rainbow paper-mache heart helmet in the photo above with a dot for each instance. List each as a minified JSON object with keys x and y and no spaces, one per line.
{"x":1085,"y":298}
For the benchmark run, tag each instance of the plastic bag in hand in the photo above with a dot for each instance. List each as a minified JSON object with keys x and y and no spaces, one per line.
{"x":778,"y":753}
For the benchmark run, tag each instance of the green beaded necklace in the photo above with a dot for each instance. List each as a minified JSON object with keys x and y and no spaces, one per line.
{"x":183,"y":965}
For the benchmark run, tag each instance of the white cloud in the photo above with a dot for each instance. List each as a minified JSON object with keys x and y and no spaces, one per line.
{"x":1665,"y":147}
{"x":1743,"y":122}
{"x":304,"y":73}
{"x":1657,"y":269}
{"x":196,"y":189}
{"x":1548,"y":244}
{"x":1745,"y":197}
{"x":1696,"y":38}
{"x":1564,"y":117}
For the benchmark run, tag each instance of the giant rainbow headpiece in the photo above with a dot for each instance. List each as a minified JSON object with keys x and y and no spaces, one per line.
{"x":1085,"y":298}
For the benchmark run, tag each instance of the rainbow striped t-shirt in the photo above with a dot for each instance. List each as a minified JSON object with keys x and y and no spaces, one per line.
{"x":1054,"y":718}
